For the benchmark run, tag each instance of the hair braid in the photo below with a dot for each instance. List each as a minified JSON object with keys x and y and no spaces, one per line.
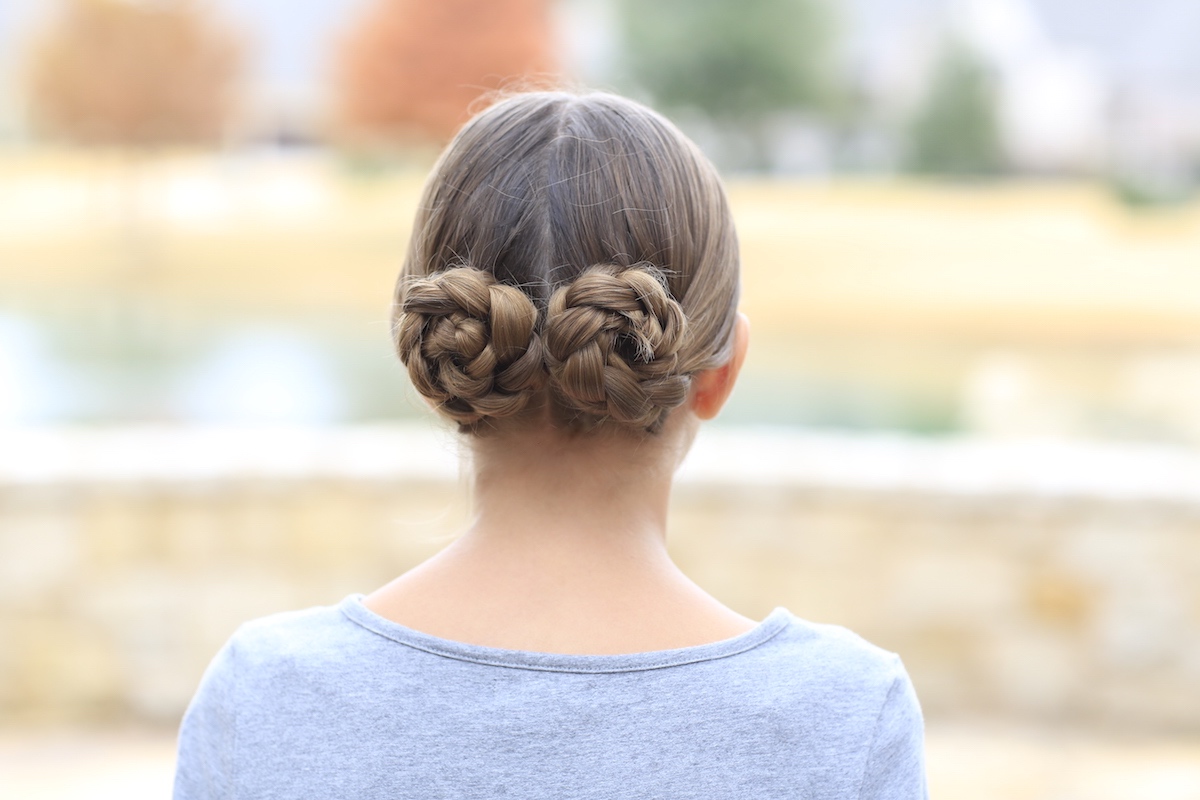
{"x":471,"y":344}
{"x":613,"y":337}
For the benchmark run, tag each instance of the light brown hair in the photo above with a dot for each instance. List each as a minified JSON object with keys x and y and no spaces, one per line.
{"x":573,"y":252}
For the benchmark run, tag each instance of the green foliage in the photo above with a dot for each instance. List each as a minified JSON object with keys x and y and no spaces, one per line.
{"x":736,"y":62}
{"x":1152,"y":192}
{"x":955,"y":131}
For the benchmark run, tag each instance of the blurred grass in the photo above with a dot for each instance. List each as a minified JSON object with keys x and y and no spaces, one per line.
{"x":869,"y":299}
{"x":1020,"y":261}
{"x":1015,"y":260}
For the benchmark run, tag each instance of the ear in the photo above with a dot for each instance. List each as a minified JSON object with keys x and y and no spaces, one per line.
{"x":712,"y":387}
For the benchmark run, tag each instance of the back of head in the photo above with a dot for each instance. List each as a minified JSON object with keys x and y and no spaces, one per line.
{"x":572,"y":254}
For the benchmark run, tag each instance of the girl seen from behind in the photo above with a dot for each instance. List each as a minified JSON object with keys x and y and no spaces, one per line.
{"x":569,"y":300}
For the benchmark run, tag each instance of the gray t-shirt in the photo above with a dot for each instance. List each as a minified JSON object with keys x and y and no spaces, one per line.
{"x":338,"y":702}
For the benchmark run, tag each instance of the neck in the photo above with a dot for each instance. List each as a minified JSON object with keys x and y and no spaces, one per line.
{"x":567,"y":552}
{"x":582,"y":497}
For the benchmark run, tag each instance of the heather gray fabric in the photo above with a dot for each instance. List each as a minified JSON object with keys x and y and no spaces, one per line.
{"x":338,"y":702}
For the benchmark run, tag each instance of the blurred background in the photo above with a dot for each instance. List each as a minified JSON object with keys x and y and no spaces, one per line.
{"x":969,"y":426}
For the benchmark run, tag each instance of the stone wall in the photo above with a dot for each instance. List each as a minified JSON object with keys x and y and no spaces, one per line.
{"x":1049,"y":583}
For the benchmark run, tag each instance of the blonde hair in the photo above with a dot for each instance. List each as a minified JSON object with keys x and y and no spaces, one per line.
{"x":570,"y":250}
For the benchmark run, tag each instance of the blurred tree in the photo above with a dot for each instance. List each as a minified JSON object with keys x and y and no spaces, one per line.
{"x":738,"y":63}
{"x":409,"y":70}
{"x":133,"y":76}
{"x":955,"y":131}
{"x":114,"y":72}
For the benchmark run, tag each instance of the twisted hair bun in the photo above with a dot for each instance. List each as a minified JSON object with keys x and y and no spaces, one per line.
{"x":563,"y":204}
{"x":471,"y":344}
{"x":613,"y":337}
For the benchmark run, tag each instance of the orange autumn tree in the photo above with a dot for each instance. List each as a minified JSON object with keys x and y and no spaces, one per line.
{"x":125,"y":74}
{"x":409,"y":70}
{"x":134,"y":76}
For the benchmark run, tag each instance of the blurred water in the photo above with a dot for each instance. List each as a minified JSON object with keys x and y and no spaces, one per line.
{"x":33,"y":387}
{"x":262,"y":377}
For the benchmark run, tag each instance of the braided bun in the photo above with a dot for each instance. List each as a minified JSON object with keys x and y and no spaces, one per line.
{"x":613,"y":336}
{"x":470,"y":343}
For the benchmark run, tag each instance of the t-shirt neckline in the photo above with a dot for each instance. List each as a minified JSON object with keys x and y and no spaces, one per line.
{"x":352,"y":607}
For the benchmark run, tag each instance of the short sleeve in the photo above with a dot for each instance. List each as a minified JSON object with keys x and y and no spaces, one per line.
{"x":207,"y":736}
{"x":895,"y":768}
